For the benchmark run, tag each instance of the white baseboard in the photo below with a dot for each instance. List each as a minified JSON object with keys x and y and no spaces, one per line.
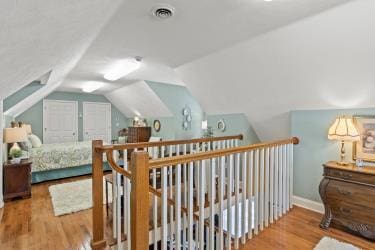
{"x":308,"y":204}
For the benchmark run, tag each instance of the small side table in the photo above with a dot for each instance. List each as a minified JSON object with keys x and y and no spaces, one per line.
{"x":17,"y":180}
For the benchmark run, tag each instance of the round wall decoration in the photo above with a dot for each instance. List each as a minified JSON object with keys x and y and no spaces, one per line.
{"x":221,"y":125}
{"x":157,"y":125}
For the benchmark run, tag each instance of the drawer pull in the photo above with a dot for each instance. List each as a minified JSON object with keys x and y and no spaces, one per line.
{"x":345,"y":210}
{"x":344,"y":192}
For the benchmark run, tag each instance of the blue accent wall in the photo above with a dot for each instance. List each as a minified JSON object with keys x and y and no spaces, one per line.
{"x":235,"y":124}
{"x":34,"y":115}
{"x":21,"y":94}
{"x":176,"y":98}
{"x":315,"y":148}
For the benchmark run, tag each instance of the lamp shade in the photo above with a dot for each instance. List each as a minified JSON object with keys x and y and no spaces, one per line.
{"x":12,"y":135}
{"x":28,"y":128}
{"x":343,"y":129}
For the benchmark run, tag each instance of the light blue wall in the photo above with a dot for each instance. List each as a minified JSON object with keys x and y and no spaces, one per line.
{"x":235,"y":124}
{"x":34,"y":115}
{"x":21,"y":94}
{"x":314,"y":148}
{"x":175,"y":98}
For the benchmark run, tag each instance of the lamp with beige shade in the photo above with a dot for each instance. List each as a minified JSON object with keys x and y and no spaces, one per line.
{"x":14,"y":135}
{"x":344,"y":130}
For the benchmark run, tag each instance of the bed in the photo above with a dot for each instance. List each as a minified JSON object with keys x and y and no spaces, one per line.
{"x":61,"y":160}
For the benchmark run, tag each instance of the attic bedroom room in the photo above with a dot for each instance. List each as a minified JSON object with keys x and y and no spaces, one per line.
{"x":233,"y":124}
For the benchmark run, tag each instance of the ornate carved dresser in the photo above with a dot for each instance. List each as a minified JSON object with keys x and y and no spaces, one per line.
{"x":348,"y":194}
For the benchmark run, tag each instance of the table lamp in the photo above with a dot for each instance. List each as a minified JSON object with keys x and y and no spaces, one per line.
{"x":343,"y":130}
{"x":14,"y":135}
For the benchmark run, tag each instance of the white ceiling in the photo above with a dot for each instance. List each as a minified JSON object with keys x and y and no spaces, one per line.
{"x":323,"y":62}
{"x":37,"y":36}
{"x":138,"y":99}
{"x":197,"y":29}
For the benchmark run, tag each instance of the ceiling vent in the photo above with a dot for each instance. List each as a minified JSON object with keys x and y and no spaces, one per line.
{"x":163,"y":11}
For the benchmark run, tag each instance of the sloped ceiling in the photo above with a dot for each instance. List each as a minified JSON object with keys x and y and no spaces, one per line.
{"x":198,"y":28}
{"x":325,"y":61}
{"x":38,"y":36}
{"x":138,"y":99}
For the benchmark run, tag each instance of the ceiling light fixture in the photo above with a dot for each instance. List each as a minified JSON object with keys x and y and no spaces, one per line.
{"x":122,"y":68}
{"x":92,"y":86}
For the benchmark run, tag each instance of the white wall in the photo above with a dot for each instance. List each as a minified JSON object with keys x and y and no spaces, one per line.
{"x":1,"y":154}
{"x":325,"y":61}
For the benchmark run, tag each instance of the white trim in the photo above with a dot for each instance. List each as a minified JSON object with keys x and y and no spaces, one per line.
{"x":47,"y":101}
{"x":308,"y":204}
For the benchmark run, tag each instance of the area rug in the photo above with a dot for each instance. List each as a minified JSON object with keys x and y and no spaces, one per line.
{"x":327,"y":243}
{"x":74,"y":196}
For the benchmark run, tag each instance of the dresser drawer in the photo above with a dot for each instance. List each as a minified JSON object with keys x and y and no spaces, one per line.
{"x":350,"y":192}
{"x":350,"y":176}
{"x":352,"y":212}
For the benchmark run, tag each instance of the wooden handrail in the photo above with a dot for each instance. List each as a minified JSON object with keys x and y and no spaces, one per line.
{"x":106,"y":148}
{"x":169,"y":161}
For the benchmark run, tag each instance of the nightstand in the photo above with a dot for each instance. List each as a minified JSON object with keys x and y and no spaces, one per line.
{"x":17,"y":180}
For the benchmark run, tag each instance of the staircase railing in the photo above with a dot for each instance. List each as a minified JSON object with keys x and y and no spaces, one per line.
{"x":126,"y":186}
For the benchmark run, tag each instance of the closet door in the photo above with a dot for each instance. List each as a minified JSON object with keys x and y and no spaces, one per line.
{"x":60,"y":121}
{"x":97,"y":121}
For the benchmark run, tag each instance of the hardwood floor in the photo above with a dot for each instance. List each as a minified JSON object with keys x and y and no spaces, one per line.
{"x":30,"y":224}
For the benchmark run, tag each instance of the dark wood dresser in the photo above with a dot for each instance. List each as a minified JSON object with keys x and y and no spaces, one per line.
{"x":348,"y":195}
{"x":17,"y":180}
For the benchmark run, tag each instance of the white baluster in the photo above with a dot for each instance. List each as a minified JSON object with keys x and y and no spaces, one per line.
{"x":250,"y":193}
{"x":276,"y":185}
{"x":127,"y":191}
{"x":190,"y":206}
{"x":237,"y":200}
{"x":272,"y":171}
{"x":178,"y":204}
{"x":185,"y":197}
{"x":164,"y":208}
{"x":284,"y":179}
{"x":114,"y":204}
{"x":261,"y":190}
{"x":201,"y":204}
{"x":211,"y":196}
{"x":244,"y":200}
{"x":154,"y":202}
{"x":291,"y":175}
{"x":170,"y":190}
{"x":266,"y":188}
{"x":280,"y":182}
{"x":229,"y":199}
{"x":220,"y":197}
{"x":118,"y":208}
{"x":287,"y":165}
{"x":256,"y":192}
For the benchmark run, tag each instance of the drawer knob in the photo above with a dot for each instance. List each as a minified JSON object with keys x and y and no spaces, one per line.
{"x":344,"y":192}
{"x":345,"y":210}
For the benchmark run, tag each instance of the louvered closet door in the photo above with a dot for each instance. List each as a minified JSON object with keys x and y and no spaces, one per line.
{"x":60,"y":121}
{"x":97,"y":121}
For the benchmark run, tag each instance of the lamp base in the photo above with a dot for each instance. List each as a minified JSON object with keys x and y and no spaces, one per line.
{"x":342,"y":163}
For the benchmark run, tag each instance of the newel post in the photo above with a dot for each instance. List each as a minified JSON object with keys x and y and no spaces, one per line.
{"x":139,"y":200}
{"x":98,"y":241}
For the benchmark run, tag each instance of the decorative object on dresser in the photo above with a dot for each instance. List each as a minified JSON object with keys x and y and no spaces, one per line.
{"x":138,"y":134}
{"x":348,"y":195}
{"x":364,"y":149}
{"x":343,"y":130}
{"x":15,"y":135}
{"x":221,"y":126}
{"x":17,"y":180}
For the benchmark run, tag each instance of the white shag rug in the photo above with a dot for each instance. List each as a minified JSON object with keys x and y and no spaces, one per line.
{"x":74,"y":196}
{"x":327,"y":243}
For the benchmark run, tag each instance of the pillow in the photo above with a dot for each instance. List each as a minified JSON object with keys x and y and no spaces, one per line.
{"x":35,"y":141}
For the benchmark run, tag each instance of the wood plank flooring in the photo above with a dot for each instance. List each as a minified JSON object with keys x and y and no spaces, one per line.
{"x":30,"y":224}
